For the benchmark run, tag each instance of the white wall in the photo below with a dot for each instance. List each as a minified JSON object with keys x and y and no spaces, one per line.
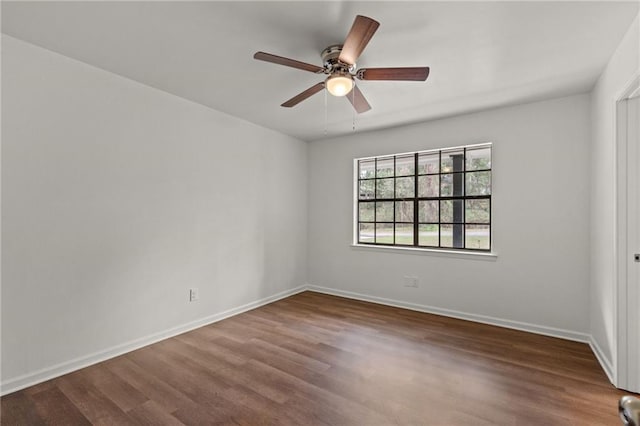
{"x":540,"y":220}
{"x":623,"y":65}
{"x":117,"y":198}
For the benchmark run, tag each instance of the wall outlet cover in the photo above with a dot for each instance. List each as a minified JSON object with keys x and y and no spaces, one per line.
{"x":194,"y":294}
{"x":411,"y":281}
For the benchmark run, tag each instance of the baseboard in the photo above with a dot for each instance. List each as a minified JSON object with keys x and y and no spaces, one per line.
{"x":605,"y":363}
{"x":58,"y":370}
{"x":517,"y":325}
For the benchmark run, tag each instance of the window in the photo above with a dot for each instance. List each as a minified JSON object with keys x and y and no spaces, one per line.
{"x":430,"y":199}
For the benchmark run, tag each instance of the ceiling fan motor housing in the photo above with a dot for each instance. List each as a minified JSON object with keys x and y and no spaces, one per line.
{"x":332,"y":64}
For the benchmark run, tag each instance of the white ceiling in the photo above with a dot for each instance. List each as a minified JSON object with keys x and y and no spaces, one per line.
{"x":481,"y":54}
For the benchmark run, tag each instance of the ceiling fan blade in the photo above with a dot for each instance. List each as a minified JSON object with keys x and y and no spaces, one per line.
{"x":304,"y":95}
{"x":411,"y":73}
{"x":280,"y":60}
{"x":361,"y":32}
{"x":358,"y":100}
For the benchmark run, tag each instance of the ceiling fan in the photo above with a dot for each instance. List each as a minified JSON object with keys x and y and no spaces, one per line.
{"x":339,"y":64}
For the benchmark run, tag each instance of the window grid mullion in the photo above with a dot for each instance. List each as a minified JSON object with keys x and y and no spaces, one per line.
{"x":375,"y":202}
{"x":439,"y":199}
{"x":395,"y":195}
{"x":464,"y":200}
{"x":416,"y":231}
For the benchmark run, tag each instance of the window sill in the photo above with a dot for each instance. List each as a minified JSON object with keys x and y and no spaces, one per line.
{"x":489,"y":256}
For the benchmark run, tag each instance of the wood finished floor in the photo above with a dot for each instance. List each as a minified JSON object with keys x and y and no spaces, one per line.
{"x":313,"y":359}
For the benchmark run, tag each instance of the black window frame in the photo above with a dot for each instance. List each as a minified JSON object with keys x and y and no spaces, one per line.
{"x":458,"y":174}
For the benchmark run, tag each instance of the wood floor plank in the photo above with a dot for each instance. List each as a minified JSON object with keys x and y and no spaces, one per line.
{"x":270,"y":412}
{"x":51,"y":403}
{"x":93,"y":404}
{"x":277,"y":351}
{"x":182,"y":373}
{"x":314,"y":359}
{"x":150,"y":413}
{"x":117,"y":389}
{"x":220,"y":354}
{"x":151,"y":385}
{"x":18,"y":409}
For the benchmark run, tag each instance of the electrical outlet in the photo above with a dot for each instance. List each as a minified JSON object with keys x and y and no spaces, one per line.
{"x":411,"y":281}
{"x":193,"y":294}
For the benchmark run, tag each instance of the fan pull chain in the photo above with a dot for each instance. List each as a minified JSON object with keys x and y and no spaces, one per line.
{"x":353,"y":102}
{"x":326,"y":115}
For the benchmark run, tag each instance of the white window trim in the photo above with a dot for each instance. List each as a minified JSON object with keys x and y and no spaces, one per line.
{"x":429,"y":251}
{"x":484,"y":255}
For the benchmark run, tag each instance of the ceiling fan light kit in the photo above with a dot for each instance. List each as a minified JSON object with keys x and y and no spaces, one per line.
{"x":339,"y":64}
{"x":339,"y":84}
